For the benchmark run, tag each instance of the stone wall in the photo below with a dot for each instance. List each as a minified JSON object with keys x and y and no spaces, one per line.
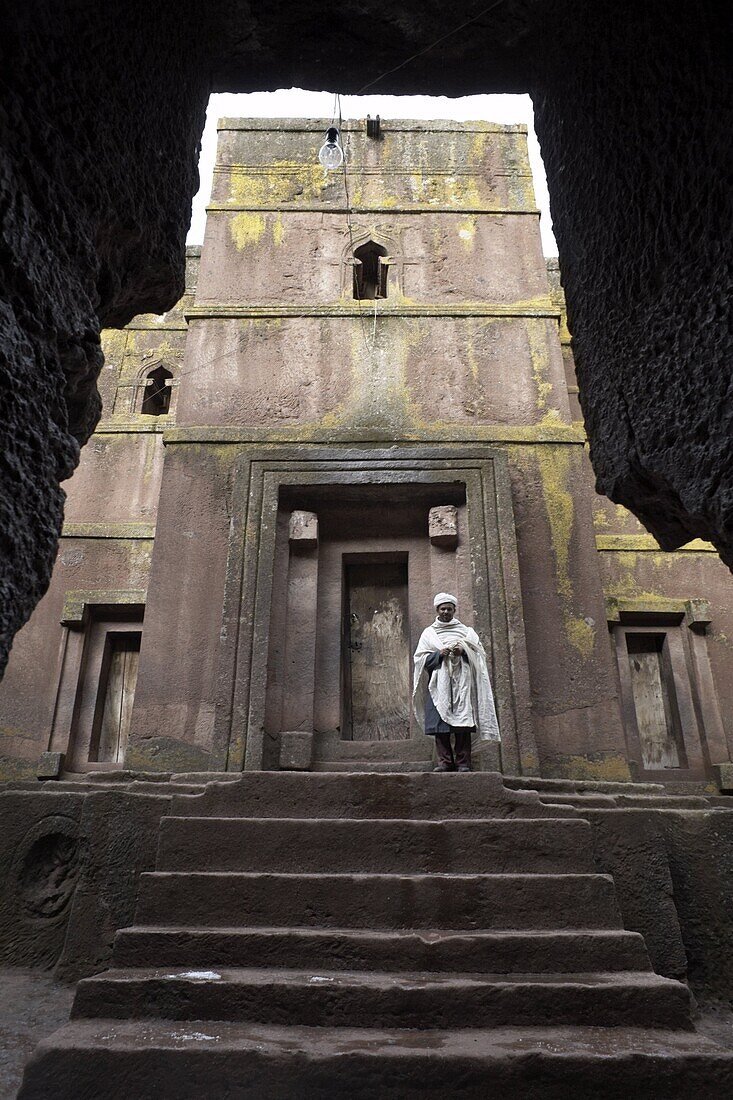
{"x":99,"y":170}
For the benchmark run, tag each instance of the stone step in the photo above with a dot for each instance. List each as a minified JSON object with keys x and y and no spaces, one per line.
{"x":334,"y":748}
{"x":627,"y":802}
{"x":663,"y":802}
{"x":377,"y":999}
{"x":202,"y":778}
{"x":225,"y":899}
{"x":579,"y":786}
{"x":365,"y":794}
{"x":596,"y":801}
{"x":362,"y":949}
{"x":378,"y":767}
{"x":156,"y":1059}
{"x":468,"y":845}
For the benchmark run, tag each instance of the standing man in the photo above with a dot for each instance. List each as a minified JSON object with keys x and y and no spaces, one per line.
{"x":452,"y":692}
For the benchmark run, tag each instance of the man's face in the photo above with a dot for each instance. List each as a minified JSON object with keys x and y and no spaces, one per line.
{"x":446,"y":611}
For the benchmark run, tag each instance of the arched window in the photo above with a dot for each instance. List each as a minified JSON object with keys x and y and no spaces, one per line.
{"x":157,"y":392}
{"x":370,"y":271}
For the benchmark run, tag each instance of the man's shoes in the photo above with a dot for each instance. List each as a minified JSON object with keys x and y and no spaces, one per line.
{"x":463,"y":768}
{"x":444,"y":768}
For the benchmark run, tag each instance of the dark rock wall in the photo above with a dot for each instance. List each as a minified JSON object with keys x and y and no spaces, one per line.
{"x":102,"y":110}
{"x":637,"y":140}
{"x":100,"y":131}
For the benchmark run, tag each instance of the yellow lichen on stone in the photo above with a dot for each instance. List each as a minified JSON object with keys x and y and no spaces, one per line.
{"x":278,"y":231}
{"x":609,"y":769}
{"x":379,"y":397}
{"x":478,"y":148}
{"x":552,"y":419}
{"x":600,"y":519}
{"x":280,"y":182}
{"x":555,"y":472}
{"x":247,"y":229}
{"x":467,"y":231}
{"x":471,"y":356}
{"x":581,"y":634}
{"x":540,"y":366}
{"x":554,"y":467}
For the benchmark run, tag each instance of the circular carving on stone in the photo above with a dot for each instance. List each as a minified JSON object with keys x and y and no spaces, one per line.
{"x":46,"y":867}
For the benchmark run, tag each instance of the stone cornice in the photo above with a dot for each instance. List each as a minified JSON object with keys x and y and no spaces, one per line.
{"x":108,"y":531}
{"x":317,"y":434}
{"x":150,"y":425}
{"x":536,"y":308}
{"x":147,"y":323}
{"x":356,"y":125}
{"x":404,"y":208}
{"x":77,"y":601}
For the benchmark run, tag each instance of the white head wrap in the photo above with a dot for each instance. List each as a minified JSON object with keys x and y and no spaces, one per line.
{"x":445,"y":597}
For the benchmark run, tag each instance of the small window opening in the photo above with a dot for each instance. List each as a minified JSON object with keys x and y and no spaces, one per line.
{"x":370,"y":272}
{"x":655,"y":701}
{"x":157,"y":393}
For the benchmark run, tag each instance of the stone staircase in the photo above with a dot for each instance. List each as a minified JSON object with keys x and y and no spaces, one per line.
{"x":356,"y":935}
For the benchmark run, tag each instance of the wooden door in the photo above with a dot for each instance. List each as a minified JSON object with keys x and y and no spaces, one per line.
{"x":655,"y":717}
{"x":377,"y":681}
{"x":117,"y":693}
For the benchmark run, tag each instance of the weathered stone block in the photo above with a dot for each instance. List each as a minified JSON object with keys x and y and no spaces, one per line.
{"x":724,"y":776}
{"x":630,"y":845}
{"x":50,"y":765}
{"x":443,"y":525}
{"x":41,"y":859}
{"x":296,"y":750}
{"x":303,"y":530}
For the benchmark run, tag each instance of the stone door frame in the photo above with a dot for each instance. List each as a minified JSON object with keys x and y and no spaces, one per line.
{"x":259,"y":475}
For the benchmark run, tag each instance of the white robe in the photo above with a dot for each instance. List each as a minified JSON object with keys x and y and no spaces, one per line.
{"x":461,"y":690}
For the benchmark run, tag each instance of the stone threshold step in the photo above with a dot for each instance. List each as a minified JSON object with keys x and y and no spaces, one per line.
{"x":375,"y":767}
{"x":378,"y":901}
{"x":157,"y":1059}
{"x":366,"y":795}
{"x":580,"y":786}
{"x":385,"y":845}
{"x":627,"y":801}
{"x":349,"y":949}
{"x":366,"y":999}
{"x":330,"y":749}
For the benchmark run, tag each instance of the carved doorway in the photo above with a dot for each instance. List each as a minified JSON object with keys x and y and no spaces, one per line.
{"x":377,"y":652}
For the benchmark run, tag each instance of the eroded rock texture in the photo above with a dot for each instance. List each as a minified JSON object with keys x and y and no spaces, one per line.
{"x":637,"y":143}
{"x":102,"y":109}
{"x":100,"y":134}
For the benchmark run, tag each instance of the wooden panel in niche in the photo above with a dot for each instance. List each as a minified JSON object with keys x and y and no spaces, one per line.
{"x":652,"y":690}
{"x":116,"y":696}
{"x":378,"y":652}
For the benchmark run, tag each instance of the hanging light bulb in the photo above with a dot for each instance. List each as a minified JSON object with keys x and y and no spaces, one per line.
{"x":331,"y":155}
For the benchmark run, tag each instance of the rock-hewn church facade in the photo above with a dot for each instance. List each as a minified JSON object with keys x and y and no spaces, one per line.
{"x":366,"y":395}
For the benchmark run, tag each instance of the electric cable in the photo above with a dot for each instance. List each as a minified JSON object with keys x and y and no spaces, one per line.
{"x":427,"y":49}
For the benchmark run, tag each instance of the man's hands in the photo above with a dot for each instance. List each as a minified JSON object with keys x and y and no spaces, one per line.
{"x":455,"y":650}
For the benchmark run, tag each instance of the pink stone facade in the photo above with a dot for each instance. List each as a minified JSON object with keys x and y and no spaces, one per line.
{"x":256,"y":636}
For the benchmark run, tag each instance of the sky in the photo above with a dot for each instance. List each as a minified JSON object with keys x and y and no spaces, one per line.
{"x":296,"y":103}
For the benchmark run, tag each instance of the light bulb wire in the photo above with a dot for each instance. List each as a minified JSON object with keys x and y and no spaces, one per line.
{"x":420,"y":53}
{"x":370,"y":345}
